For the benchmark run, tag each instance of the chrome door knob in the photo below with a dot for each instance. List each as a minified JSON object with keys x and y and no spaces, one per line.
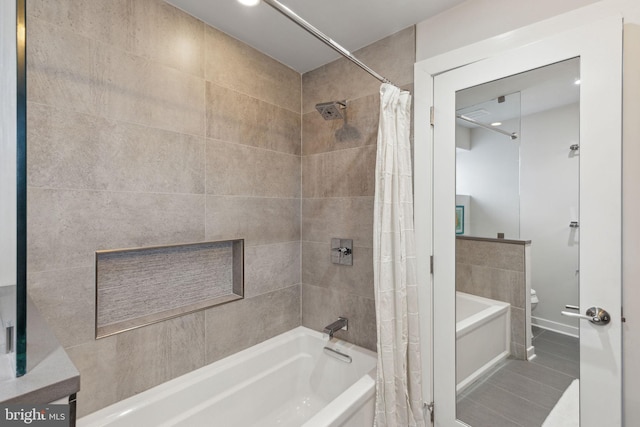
{"x":595,"y":315}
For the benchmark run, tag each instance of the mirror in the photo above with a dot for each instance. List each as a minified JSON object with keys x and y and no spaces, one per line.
{"x":517,"y":241}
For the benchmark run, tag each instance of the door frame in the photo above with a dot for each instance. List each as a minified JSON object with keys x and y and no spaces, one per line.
{"x":581,"y":26}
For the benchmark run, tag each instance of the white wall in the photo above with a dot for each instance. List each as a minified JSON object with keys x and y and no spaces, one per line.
{"x":7,"y":143}
{"x":488,"y":172}
{"x":547,"y":163}
{"x":476,"y":20}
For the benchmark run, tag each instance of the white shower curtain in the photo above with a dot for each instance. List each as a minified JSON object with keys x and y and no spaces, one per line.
{"x":398,"y":386}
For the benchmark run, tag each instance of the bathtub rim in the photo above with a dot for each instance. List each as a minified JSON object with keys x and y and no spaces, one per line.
{"x":364,"y":385}
{"x":494,"y":309}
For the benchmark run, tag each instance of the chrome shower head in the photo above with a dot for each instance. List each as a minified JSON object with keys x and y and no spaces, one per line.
{"x":331,"y":110}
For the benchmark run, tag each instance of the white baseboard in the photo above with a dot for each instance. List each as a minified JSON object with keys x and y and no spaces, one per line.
{"x":462,"y":385}
{"x":531,"y":353}
{"x":560,"y":328}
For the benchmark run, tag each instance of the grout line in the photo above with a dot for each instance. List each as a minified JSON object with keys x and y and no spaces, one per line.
{"x":335,"y":291}
{"x":340,"y":150}
{"x":239,"y":144}
{"x":556,"y":347}
{"x":316,"y":242}
{"x":499,"y":414}
{"x":337,"y":197}
{"x":229,"y":196}
{"x":229,"y":87}
{"x":112,"y":119}
{"x":517,"y":395}
{"x":53,"y":270}
{"x":553,"y":355}
{"x":516,"y":372}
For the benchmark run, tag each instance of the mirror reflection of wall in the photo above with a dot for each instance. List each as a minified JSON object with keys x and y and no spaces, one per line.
{"x":549,"y":197}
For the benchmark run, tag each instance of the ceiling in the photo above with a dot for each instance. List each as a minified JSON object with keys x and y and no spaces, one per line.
{"x":351,"y":23}
{"x":527,"y":93}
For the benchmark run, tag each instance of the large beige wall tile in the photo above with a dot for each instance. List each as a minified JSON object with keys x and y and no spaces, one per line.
{"x":235,"y":117}
{"x":342,"y":217}
{"x":66,"y":300}
{"x":156,"y":353}
{"x":168,"y":35}
{"x":501,"y":285}
{"x":72,"y":150}
{"x":60,"y":68}
{"x":119,"y":366}
{"x":249,"y":171}
{"x":62,"y":228}
{"x":235,"y":65}
{"x":147,"y":219}
{"x":393,"y":57}
{"x":271,"y":267}
{"x":97,"y":363}
{"x":255,"y":219}
{"x":150,"y":28}
{"x":69,"y":225}
{"x":343,"y":173}
{"x":138,"y":90}
{"x":105,"y":21}
{"x":359,"y":128}
{"x":318,"y":270}
{"x":500,"y":255}
{"x":321,"y":307}
{"x":240,"y":324}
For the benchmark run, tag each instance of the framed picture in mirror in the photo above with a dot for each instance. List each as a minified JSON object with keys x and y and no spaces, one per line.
{"x":459,"y":219}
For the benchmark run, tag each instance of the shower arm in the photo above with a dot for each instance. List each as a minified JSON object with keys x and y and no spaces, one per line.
{"x":286,"y":11}
{"x":511,"y":135}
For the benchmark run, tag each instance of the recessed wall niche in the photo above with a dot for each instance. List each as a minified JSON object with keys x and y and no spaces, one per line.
{"x":136,"y":287}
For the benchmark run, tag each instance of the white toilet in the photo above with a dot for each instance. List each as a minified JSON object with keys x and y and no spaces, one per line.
{"x":534,"y":300}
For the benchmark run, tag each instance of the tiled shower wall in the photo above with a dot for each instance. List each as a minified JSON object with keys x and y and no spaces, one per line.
{"x":338,"y":166}
{"x":147,"y":127}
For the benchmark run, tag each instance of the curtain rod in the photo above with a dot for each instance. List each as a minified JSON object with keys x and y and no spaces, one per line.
{"x":491,"y":128}
{"x":286,"y":11}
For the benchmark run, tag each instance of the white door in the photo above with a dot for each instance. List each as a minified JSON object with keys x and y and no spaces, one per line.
{"x":599,"y":49}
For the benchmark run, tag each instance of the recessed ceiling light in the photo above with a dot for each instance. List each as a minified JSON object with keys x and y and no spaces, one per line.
{"x":576,"y":82}
{"x":249,"y":2}
{"x":496,"y":123}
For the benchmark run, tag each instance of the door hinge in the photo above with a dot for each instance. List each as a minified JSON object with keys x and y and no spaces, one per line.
{"x":431,"y":409}
{"x":431,"y":264}
{"x":431,"y":116}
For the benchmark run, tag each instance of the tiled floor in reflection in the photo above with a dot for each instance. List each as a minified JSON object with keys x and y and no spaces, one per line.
{"x":521,"y":393}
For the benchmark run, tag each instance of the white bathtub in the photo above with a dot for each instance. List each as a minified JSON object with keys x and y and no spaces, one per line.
{"x":483,"y":336}
{"x":285,"y":381}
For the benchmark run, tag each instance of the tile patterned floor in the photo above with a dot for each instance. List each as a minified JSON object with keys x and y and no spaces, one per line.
{"x":520,"y":393}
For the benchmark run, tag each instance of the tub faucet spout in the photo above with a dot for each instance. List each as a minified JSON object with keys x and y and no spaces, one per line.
{"x":341,"y":324}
